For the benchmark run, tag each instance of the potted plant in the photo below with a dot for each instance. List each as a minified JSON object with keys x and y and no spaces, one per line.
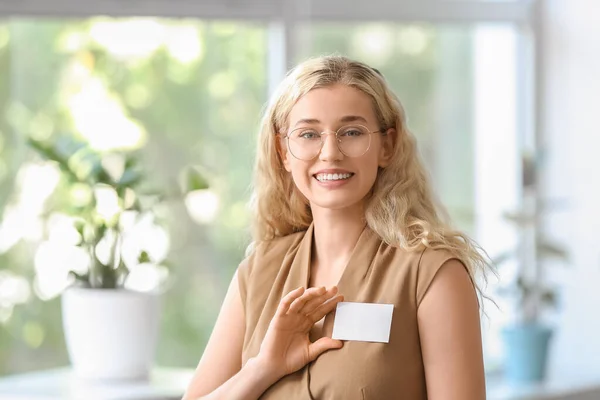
{"x":110,"y":329}
{"x":526,"y":341}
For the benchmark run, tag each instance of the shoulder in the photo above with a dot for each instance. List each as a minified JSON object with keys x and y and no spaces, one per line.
{"x":265,"y":258}
{"x":431,"y":262}
{"x":430,"y":258}
{"x":262,"y":254}
{"x":423,"y":262}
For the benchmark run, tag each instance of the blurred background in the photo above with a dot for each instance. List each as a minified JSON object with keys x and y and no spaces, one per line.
{"x":496,"y":92}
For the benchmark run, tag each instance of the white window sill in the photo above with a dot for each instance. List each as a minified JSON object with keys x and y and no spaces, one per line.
{"x":170,"y":383}
{"x":566,"y":388}
{"x":164,"y":384}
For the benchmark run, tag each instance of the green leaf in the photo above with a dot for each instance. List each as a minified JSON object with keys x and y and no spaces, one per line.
{"x":194,"y":180}
{"x":80,"y":279}
{"x":44,"y":150}
{"x":549,"y":297}
{"x":102,"y":176}
{"x":136,"y":205}
{"x":122,"y":272}
{"x":548,"y":249}
{"x":131,"y":162}
{"x":86,"y":165}
{"x":109,"y":278}
{"x":144,"y":257}
{"x":130,"y":178}
{"x":524,"y":287}
{"x":80,"y":227}
{"x":519,"y":218}
{"x":50,"y":152}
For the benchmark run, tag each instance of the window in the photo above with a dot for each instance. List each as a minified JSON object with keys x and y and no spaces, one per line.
{"x":190,"y":91}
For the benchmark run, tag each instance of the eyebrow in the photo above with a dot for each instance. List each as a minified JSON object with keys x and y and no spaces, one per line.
{"x":347,"y":118}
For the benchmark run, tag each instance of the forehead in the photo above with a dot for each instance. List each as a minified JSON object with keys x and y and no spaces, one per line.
{"x":331,"y":104}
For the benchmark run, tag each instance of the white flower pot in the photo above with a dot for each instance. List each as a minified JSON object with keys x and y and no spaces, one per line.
{"x":110,"y":333}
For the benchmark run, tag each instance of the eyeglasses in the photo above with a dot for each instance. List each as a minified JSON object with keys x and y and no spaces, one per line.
{"x":352,"y":140}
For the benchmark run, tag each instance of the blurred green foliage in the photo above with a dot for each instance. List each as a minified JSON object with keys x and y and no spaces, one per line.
{"x":85,"y":170}
{"x":202,"y":111}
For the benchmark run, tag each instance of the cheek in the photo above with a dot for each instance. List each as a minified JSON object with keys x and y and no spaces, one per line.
{"x":299,"y":173}
{"x":368,"y":181}
{"x":372,"y":175}
{"x":370,"y":169}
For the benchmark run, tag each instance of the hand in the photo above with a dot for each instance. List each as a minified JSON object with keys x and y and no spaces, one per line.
{"x":286,"y":347}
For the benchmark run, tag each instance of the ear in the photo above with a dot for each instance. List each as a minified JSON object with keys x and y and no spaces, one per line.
{"x":282,"y":149}
{"x":388,"y":144}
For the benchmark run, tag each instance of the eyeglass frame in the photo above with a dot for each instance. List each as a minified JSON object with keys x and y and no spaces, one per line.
{"x":337,"y":139}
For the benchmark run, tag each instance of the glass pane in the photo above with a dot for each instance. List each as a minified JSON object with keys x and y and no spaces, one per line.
{"x":182,"y":92}
{"x":458,"y":87}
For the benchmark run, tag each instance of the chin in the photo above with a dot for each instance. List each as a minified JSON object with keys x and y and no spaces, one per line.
{"x":339,"y":203}
{"x":341,"y":198}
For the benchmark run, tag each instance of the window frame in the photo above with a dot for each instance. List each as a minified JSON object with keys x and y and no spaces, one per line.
{"x":376,"y":10}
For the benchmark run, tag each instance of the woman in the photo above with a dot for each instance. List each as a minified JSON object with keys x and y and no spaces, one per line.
{"x":344,"y":211}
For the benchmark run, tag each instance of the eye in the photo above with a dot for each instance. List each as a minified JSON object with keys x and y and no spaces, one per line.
{"x":308,"y":134}
{"x":352,"y":132}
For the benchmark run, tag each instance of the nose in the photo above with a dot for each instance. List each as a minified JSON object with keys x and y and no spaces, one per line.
{"x":330,"y":150}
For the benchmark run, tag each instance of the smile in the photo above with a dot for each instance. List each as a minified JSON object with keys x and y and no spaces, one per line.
{"x":332,"y":177}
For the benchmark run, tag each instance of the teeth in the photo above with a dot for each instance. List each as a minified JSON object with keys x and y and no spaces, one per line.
{"x":332,"y":177}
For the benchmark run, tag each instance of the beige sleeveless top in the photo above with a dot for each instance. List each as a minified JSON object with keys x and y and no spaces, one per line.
{"x":376,"y":273}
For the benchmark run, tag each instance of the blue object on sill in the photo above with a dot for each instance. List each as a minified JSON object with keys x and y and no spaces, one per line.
{"x":526,"y":349}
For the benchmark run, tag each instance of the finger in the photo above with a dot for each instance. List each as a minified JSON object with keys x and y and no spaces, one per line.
{"x":287,"y":300}
{"x":312,"y":305}
{"x":310,"y":294}
{"x":325,"y":309}
{"x":322,"y":345}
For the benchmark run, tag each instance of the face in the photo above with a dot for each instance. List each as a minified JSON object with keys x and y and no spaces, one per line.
{"x":332,"y":179}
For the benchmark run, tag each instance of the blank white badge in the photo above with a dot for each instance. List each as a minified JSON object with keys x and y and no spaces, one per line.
{"x":365,"y":322}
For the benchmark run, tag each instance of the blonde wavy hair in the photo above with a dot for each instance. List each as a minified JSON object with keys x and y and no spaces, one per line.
{"x":401,"y":208}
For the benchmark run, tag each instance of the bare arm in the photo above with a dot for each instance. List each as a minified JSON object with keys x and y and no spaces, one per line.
{"x":450,"y":334}
{"x":222,"y":358}
{"x":248,"y":384}
{"x":285,"y":349}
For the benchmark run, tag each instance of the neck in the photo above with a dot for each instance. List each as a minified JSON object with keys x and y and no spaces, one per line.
{"x":336,"y":233}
